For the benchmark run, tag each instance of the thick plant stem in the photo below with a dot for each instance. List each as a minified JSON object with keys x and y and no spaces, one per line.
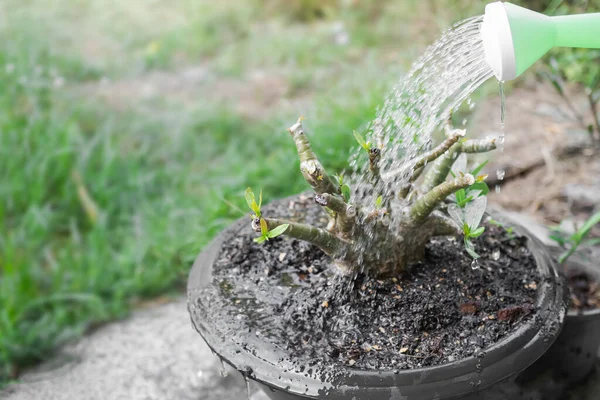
{"x":310,"y":166}
{"x":421,"y":208}
{"x":439,"y":150}
{"x":478,"y":145}
{"x":442,"y":166}
{"x":452,"y":137}
{"x":345,"y":214}
{"x":327,"y":242}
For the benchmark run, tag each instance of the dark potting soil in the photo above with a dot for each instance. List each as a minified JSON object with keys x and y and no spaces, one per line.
{"x":443,"y":309}
{"x":585,"y":291}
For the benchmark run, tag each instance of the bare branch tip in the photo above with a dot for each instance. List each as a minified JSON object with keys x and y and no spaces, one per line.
{"x":469,"y":179}
{"x":297,"y":127}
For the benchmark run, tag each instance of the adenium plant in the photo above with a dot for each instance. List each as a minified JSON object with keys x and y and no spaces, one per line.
{"x":361,"y":235}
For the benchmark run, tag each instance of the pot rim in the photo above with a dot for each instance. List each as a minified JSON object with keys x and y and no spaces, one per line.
{"x":512,"y":354}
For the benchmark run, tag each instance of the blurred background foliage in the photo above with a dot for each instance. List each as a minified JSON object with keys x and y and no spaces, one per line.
{"x":128,"y":129}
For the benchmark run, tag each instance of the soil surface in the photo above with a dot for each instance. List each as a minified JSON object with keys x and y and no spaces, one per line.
{"x":443,"y":309}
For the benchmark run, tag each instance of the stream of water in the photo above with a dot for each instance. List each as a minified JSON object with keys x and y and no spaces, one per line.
{"x":438,"y":83}
{"x":420,"y":104}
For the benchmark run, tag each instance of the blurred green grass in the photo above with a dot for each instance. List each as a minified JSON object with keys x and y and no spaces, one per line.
{"x":108,"y":194}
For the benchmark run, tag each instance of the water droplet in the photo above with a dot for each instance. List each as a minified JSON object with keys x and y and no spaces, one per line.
{"x":247,"y":386}
{"x":224,"y":372}
{"x":500,"y":174}
{"x":496,"y":255}
{"x":475,"y":265}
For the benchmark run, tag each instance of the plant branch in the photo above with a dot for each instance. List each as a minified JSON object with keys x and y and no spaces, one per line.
{"x":442,"y":166}
{"x":327,"y":242}
{"x":478,"y":145}
{"x":310,"y":166}
{"x":439,"y":150}
{"x":421,"y":208}
{"x":345,"y":214}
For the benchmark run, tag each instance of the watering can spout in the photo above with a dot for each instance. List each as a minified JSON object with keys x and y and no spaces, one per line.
{"x":514,"y":37}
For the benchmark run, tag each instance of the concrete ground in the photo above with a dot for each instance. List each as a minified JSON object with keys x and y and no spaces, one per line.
{"x":155,"y":354}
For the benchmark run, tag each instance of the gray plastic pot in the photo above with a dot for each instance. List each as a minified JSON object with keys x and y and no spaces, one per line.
{"x":573,"y":355}
{"x":489,"y":377}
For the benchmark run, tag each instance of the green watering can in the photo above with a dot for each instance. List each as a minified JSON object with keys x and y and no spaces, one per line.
{"x":514,"y":37}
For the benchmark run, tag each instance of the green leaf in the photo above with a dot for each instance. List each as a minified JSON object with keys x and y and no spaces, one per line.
{"x":260,"y":200}
{"x":456,"y":213}
{"x":460,"y":196}
{"x":250,"y":198}
{"x":558,"y":239}
{"x":472,"y":253}
{"x":477,"y":232}
{"x":466,"y":230}
{"x":464,"y":202}
{"x":277,"y":231}
{"x":474,"y":211}
{"x":587,"y":226}
{"x":346,"y":192}
{"x":260,"y":239}
{"x":264,"y":229}
{"x":470,"y":248}
{"x":378,"y":202}
{"x":482,"y":186}
{"x":478,"y":168}
{"x":361,"y":141}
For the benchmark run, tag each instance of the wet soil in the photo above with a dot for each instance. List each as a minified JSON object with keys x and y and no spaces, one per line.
{"x":441,"y":310}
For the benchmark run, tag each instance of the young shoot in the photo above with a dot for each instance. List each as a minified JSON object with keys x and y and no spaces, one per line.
{"x":578,"y":239}
{"x":266,"y":234}
{"x":344,"y":188}
{"x":373,"y":152}
{"x":470,"y":205}
{"x":252,"y":204}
